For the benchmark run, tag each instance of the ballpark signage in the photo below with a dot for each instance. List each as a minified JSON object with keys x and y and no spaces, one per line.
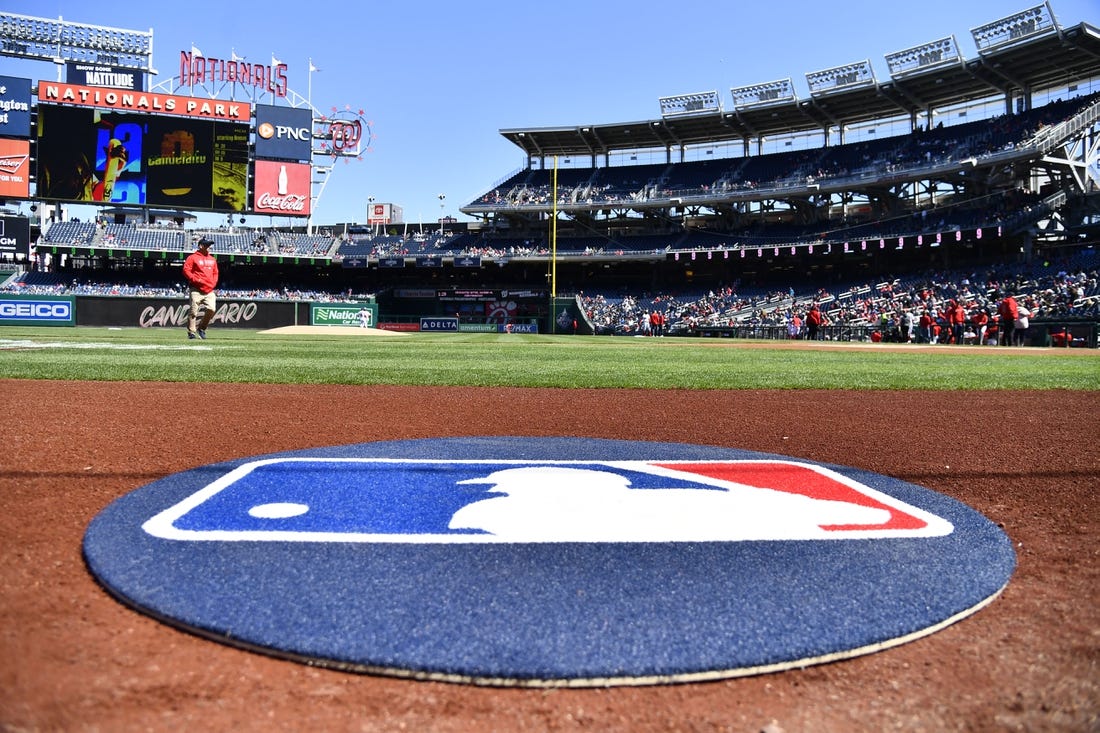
{"x":343,"y":314}
{"x":15,"y":172}
{"x":15,"y":233}
{"x":94,"y":75}
{"x":120,"y":99}
{"x":548,"y":561}
{"x":284,"y":133}
{"x":173,"y":312}
{"x":15,"y":106}
{"x":198,"y":69}
{"x":439,"y":324}
{"x":43,"y":310}
{"x":281,"y":188}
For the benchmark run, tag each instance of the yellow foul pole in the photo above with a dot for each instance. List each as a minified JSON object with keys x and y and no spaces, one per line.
{"x":553,"y":244}
{"x":554,"y":232}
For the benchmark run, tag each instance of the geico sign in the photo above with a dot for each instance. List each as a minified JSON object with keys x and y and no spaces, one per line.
{"x":266,"y":130}
{"x":52,"y":310}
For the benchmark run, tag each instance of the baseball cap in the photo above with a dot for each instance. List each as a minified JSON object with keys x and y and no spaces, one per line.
{"x":205,"y":241}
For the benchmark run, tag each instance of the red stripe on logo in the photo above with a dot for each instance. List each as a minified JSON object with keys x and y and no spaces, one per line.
{"x":802,"y":480}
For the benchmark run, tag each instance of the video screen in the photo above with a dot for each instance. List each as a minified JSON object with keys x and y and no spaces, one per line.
{"x":125,"y":158}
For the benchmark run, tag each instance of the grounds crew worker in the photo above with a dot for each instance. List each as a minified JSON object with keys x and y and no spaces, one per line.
{"x":201,"y":270}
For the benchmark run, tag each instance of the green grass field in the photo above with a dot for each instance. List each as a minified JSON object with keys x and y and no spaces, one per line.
{"x":232,"y":355}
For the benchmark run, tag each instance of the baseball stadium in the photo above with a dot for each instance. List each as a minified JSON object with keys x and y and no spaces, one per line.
{"x":771,"y":413}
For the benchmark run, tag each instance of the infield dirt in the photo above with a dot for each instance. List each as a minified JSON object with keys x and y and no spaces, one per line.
{"x":73,"y":659}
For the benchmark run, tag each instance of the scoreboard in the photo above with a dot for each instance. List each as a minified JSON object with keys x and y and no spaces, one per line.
{"x":130,"y":158}
{"x":138,"y":148}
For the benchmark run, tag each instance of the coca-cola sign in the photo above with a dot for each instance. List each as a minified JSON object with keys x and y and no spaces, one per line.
{"x":292,"y":203}
{"x":282,"y":188}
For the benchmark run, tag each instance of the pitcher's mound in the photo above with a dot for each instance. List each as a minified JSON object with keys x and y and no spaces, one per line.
{"x":331,"y":331}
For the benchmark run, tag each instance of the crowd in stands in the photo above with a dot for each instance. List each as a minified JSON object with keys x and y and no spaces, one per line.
{"x":37,"y":282}
{"x":917,"y":308}
{"x":878,"y":159}
{"x":887,"y":311}
{"x":111,"y":236}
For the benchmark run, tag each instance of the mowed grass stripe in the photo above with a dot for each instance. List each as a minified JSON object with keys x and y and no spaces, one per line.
{"x":516,"y":360}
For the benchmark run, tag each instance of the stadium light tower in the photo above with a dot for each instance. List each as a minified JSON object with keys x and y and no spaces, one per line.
{"x":370,"y":210}
{"x":46,"y":39}
{"x":442,"y":200}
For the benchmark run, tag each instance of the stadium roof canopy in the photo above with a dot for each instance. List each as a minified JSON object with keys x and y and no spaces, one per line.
{"x":1056,"y":58}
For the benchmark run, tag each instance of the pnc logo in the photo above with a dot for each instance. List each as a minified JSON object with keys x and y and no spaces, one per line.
{"x":267,"y":131}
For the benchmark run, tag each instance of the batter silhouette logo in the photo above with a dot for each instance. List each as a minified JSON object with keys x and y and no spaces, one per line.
{"x":459,"y":501}
{"x":547,"y":561}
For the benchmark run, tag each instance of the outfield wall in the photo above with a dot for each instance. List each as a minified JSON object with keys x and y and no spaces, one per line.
{"x":143,"y":312}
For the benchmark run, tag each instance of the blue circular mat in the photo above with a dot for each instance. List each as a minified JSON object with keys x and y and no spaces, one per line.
{"x":547,"y":561}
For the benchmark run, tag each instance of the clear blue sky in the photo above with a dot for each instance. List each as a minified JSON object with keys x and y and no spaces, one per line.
{"x":439,"y":80}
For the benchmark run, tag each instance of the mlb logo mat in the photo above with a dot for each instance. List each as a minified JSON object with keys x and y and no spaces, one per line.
{"x":547,"y":561}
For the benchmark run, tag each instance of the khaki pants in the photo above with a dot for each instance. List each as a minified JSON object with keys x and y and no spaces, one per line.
{"x":203,"y":306}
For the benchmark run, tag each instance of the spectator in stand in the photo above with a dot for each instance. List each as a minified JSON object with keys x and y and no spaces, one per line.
{"x":655,"y":323}
{"x":910,"y":326}
{"x":794,"y":326}
{"x":956,"y":318}
{"x":814,"y":322}
{"x":1023,"y":314}
{"x":925,"y":326}
{"x":1008,"y":311}
{"x":980,"y":321}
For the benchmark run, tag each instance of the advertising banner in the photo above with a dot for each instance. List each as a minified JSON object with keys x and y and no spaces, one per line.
{"x":97,"y":75}
{"x":380,"y":214}
{"x":282,"y":189}
{"x":439,"y":324}
{"x":15,"y":235}
{"x":36,"y":310}
{"x":123,"y":100}
{"x":15,"y":106}
{"x":284,"y":133}
{"x":173,"y":312}
{"x":15,"y":169}
{"x":364,"y":315}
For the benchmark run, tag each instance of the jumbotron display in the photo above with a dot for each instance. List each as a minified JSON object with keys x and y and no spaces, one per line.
{"x":130,"y":158}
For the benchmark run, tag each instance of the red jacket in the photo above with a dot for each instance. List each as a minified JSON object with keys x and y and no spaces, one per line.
{"x":201,"y":271}
{"x":956,"y":314}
